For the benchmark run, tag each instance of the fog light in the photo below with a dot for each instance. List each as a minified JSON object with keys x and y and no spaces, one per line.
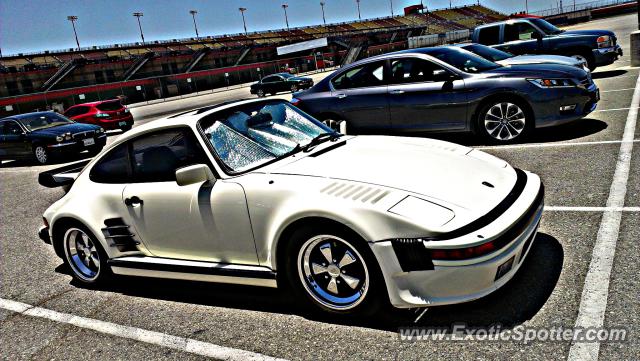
{"x":567,"y":108}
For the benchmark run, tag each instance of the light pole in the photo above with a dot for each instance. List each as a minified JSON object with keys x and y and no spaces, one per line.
{"x":323,"y":19}
{"x":358,"y":3}
{"x":286,"y":19}
{"x":73,"y":20}
{"x":244,"y":23}
{"x":193,"y":14}
{"x":138,"y":15}
{"x":526,"y":6}
{"x":450,"y":4}
{"x":391,"y":2}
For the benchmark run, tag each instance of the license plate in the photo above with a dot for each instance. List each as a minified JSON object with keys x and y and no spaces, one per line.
{"x":504,"y":268}
{"x":122,"y":124}
{"x":89,"y":141}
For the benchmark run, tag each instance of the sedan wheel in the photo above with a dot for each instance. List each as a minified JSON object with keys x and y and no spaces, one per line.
{"x":260,"y":93}
{"x":504,"y":121}
{"x":294,"y":88}
{"x":41,"y":154}
{"x":84,"y":256}
{"x":333,"y":273}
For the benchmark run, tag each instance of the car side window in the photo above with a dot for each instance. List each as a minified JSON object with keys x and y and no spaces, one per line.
{"x":412,"y":70}
{"x":271,"y":79}
{"x":367,"y":75}
{"x":519,"y":31}
{"x":114,"y":167}
{"x":489,"y":35}
{"x":156,"y":157}
{"x":10,"y":128}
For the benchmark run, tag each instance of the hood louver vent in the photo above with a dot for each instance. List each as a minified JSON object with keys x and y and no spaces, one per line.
{"x":355,"y":192}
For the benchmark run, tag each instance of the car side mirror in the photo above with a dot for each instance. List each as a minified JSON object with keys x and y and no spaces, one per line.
{"x":197,"y":173}
{"x":536,"y":35}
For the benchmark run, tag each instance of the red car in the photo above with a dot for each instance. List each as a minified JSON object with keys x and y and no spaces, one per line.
{"x":109,"y":114}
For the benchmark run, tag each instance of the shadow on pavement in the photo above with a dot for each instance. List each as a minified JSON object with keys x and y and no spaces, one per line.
{"x":608,"y":73}
{"x":54,"y":161}
{"x":516,"y":302}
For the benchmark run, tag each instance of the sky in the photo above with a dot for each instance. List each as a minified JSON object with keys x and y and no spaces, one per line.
{"x":37,"y":25}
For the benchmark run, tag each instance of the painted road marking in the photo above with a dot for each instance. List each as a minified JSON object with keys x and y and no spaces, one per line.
{"x":590,"y":209}
{"x":156,"y":338}
{"x":593,"y":303}
{"x":559,"y":144}
{"x":613,"y":110}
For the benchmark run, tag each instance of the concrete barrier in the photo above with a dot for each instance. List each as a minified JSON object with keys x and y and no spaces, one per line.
{"x":635,"y":48}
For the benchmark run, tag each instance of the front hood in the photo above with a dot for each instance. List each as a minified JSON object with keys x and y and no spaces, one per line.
{"x":537,"y":71}
{"x":587,"y":32}
{"x":439,"y":170}
{"x":67,"y":128}
{"x":539,"y":59}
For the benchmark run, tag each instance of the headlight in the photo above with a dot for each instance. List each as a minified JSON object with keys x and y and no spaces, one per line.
{"x":551,"y":83}
{"x":604,"y":41}
{"x":67,"y":136}
{"x":59,"y":138}
{"x":126,"y":110}
{"x":100,"y":131}
{"x":425,"y":213}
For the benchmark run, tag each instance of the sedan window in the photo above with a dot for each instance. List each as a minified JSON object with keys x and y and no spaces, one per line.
{"x":44,"y":120}
{"x":462,"y":59}
{"x":10,"y":128}
{"x":113,"y":167}
{"x":412,"y":70}
{"x":367,"y":75}
{"x":271,"y":79}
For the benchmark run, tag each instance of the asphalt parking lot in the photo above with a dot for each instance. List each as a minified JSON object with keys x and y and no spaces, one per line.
{"x":582,"y":271}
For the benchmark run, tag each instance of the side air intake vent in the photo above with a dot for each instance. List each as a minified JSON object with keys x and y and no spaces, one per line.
{"x":118,"y":235}
{"x":355,"y":192}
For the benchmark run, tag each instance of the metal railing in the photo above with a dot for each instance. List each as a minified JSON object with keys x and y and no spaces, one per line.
{"x":573,"y":6}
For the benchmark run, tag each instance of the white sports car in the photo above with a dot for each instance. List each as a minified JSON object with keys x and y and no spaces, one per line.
{"x":259,"y":193}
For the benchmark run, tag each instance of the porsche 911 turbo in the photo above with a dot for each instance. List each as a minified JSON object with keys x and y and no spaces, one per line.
{"x":257,"y":192}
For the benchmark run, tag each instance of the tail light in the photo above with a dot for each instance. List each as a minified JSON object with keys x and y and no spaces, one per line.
{"x":295,"y":101}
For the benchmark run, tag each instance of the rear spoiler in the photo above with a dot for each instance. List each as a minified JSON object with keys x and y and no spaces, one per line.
{"x":63,"y":176}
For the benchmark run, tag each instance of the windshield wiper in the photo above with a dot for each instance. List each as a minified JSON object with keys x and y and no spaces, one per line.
{"x":319,"y":139}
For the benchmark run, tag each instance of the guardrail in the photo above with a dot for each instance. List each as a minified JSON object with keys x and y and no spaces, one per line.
{"x":568,"y":6}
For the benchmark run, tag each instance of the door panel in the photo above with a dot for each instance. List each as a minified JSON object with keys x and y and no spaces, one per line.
{"x":196,"y":222}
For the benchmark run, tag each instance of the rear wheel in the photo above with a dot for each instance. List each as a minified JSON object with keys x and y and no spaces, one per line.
{"x":260,"y":93}
{"x":84,"y":256}
{"x":333,"y":271}
{"x":504,"y":121}
{"x":294,"y":88}
{"x":41,"y":154}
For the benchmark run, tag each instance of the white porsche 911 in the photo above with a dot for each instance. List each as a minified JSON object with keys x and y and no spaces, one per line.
{"x":260,"y":193}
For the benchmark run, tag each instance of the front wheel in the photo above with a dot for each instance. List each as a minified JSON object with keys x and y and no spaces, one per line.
{"x":585,"y":59}
{"x":84,"y":256}
{"x":260,"y":93}
{"x":294,"y":88}
{"x":504,"y":121}
{"x":334,"y":272}
{"x":41,"y":154}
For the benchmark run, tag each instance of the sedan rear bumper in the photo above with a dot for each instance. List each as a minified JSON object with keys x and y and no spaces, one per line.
{"x":450,"y":282}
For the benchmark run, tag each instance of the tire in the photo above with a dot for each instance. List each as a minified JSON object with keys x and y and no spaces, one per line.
{"x":337,"y":125}
{"x":84,"y":256}
{"x":294,"y":88}
{"x":41,"y":154}
{"x":95,"y":151}
{"x":126,"y":128}
{"x":260,"y":93}
{"x":587,"y":58}
{"x":333,"y":271}
{"x":504,"y":121}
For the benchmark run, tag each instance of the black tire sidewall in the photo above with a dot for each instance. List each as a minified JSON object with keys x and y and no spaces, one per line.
{"x":104,"y":274}
{"x":376,"y":296}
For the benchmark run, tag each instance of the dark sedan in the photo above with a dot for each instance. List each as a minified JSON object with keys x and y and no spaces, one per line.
{"x":450,"y":89}
{"x":43,"y":135}
{"x":281,"y":82}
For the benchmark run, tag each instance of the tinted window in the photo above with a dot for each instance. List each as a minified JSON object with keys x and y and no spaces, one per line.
{"x":414,"y":71}
{"x":10,"y":128}
{"x":366,"y":75}
{"x":462,"y":59}
{"x":113,"y":167}
{"x":488,"y":52}
{"x":518,"y":31}
{"x":110,"y":106}
{"x":72,"y":112}
{"x":44,"y":120}
{"x":271,"y":79}
{"x":489,"y":35}
{"x":157,"y":156}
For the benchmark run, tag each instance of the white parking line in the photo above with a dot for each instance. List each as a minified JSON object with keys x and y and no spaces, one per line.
{"x":157,"y":338}
{"x":613,"y":110}
{"x":559,"y":144}
{"x":593,"y":303}
{"x":590,"y":209}
{"x":616,"y":90}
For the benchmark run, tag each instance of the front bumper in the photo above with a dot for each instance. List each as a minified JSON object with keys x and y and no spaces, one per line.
{"x":606,"y":56}
{"x":546,"y":104}
{"x":451,"y":282}
{"x":77,"y":146}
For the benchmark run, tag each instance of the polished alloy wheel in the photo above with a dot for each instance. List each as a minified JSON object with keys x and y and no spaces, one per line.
{"x":41,"y":154}
{"x":333,"y":272}
{"x":260,"y":93}
{"x":504,"y":121}
{"x":82,"y":255}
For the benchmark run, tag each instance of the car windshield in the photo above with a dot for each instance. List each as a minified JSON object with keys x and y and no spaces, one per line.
{"x":463,"y":59}
{"x":488,"y":53}
{"x":255,"y":134}
{"x":44,"y":120}
{"x":545,"y":26}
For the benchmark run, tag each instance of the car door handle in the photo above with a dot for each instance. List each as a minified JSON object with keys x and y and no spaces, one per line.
{"x":341,"y":96}
{"x":396,"y":92}
{"x":133,"y":201}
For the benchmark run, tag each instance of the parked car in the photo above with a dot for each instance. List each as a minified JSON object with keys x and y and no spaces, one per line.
{"x":450,"y":89}
{"x":109,"y":114}
{"x":281,"y":82}
{"x":504,"y":58}
{"x":259,"y":193}
{"x":537,"y":36}
{"x":43,"y":135}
